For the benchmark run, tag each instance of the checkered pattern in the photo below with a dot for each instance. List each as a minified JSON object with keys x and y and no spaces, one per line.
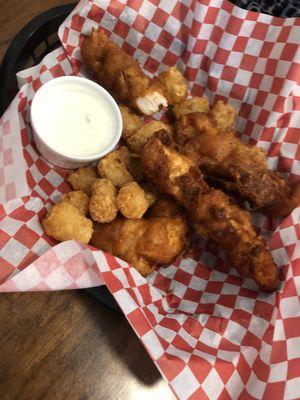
{"x":210,"y":332}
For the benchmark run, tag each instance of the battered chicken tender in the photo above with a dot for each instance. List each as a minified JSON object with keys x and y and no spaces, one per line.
{"x":78,"y":199}
{"x":174,"y":84}
{"x":121,"y":75}
{"x":103,"y":201}
{"x":224,"y":116}
{"x":114,"y":167}
{"x":211,"y":212}
{"x":83,"y":178}
{"x":65,"y":222}
{"x":132,"y":201}
{"x":131,"y":121}
{"x":189,"y":106}
{"x":138,"y":140}
{"x":144,"y":243}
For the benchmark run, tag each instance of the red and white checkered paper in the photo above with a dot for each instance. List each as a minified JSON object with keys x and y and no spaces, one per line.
{"x":211,"y":333}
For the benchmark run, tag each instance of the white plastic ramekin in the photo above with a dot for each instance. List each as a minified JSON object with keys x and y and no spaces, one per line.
{"x":63,"y":159}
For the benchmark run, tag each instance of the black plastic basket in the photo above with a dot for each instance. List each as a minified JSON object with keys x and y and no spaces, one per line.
{"x":39,"y":37}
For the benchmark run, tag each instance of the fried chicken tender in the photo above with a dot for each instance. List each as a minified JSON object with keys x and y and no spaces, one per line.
{"x":66,"y":222}
{"x":189,"y":106}
{"x":78,"y":199}
{"x":165,"y":207}
{"x":239,"y":167}
{"x":103,"y":201}
{"x":224,"y":116}
{"x":121,"y":75}
{"x":131,"y":121}
{"x":132,"y":201}
{"x":114,"y":167}
{"x":138,"y":139}
{"x":83,"y":178}
{"x":144,"y":243}
{"x":211,"y":212}
{"x":174,"y":85}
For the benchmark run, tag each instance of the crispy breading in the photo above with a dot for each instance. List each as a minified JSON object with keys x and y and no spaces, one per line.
{"x":103,"y":201}
{"x":78,"y":199}
{"x":65,"y":222}
{"x":189,"y":106}
{"x":131,"y":121}
{"x":239,"y":167}
{"x":121,"y":75}
{"x":83,"y":178}
{"x":138,"y":139}
{"x":211,"y":212}
{"x":132,"y":201}
{"x":224,"y":116}
{"x":174,"y":85}
{"x":163,"y":240}
{"x":165,"y":207}
{"x":144,"y":243}
{"x":114,"y":167}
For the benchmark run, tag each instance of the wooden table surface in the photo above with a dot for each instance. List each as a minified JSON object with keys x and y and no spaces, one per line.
{"x":64,"y":345}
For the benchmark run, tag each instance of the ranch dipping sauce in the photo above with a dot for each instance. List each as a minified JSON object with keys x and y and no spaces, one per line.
{"x":75,"y":121}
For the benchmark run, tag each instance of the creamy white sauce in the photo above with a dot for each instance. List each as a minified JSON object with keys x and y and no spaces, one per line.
{"x":75,"y":120}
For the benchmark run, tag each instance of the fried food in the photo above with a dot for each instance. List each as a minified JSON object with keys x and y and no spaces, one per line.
{"x":138,"y":139}
{"x":134,"y":165}
{"x":114,"y":167}
{"x":189,"y":106}
{"x":165,"y":207}
{"x":103,"y":201}
{"x":174,"y":85}
{"x":65,"y":222}
{"x":211,"y":212}
{"x":144,"y":243}
{"x":131,"y":122}
{"x":238,"y":167}
{"x":121,"y":75}
{"x":132,"y":201}
{"x":151,"y":194}
{"x":224,"y":116}
{"x":78,"y":199}
{"x":83,"y":178}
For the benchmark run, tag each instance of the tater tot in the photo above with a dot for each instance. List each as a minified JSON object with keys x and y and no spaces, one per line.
{"x":83,"y":178}
{"x":131,"y":122}
{"x":174,"y":84}
{"x":103,"y":204}
{"x":78,"y":199}
{"x":137,"y":141}
{"x":190,"y":106}
{"x":65,"y":222}
{"x":132,"y":201}
{"x":224,"y":116}
{"x":114,"y":167}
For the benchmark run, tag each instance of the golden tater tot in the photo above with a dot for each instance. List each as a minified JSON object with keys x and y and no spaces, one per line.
{"x":83,"y":178}
{"x":174,"y":84}
{"x":190,"y":106}
{"x":65,"y":222}
{"x":131,"y":122}
{"x":103,"y":205}
{"x":114,"y":167}
{"x":78,"y":199}
{"x":137,"y":141}
{"x":132,"y":201}
{"x":224,"y":116}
